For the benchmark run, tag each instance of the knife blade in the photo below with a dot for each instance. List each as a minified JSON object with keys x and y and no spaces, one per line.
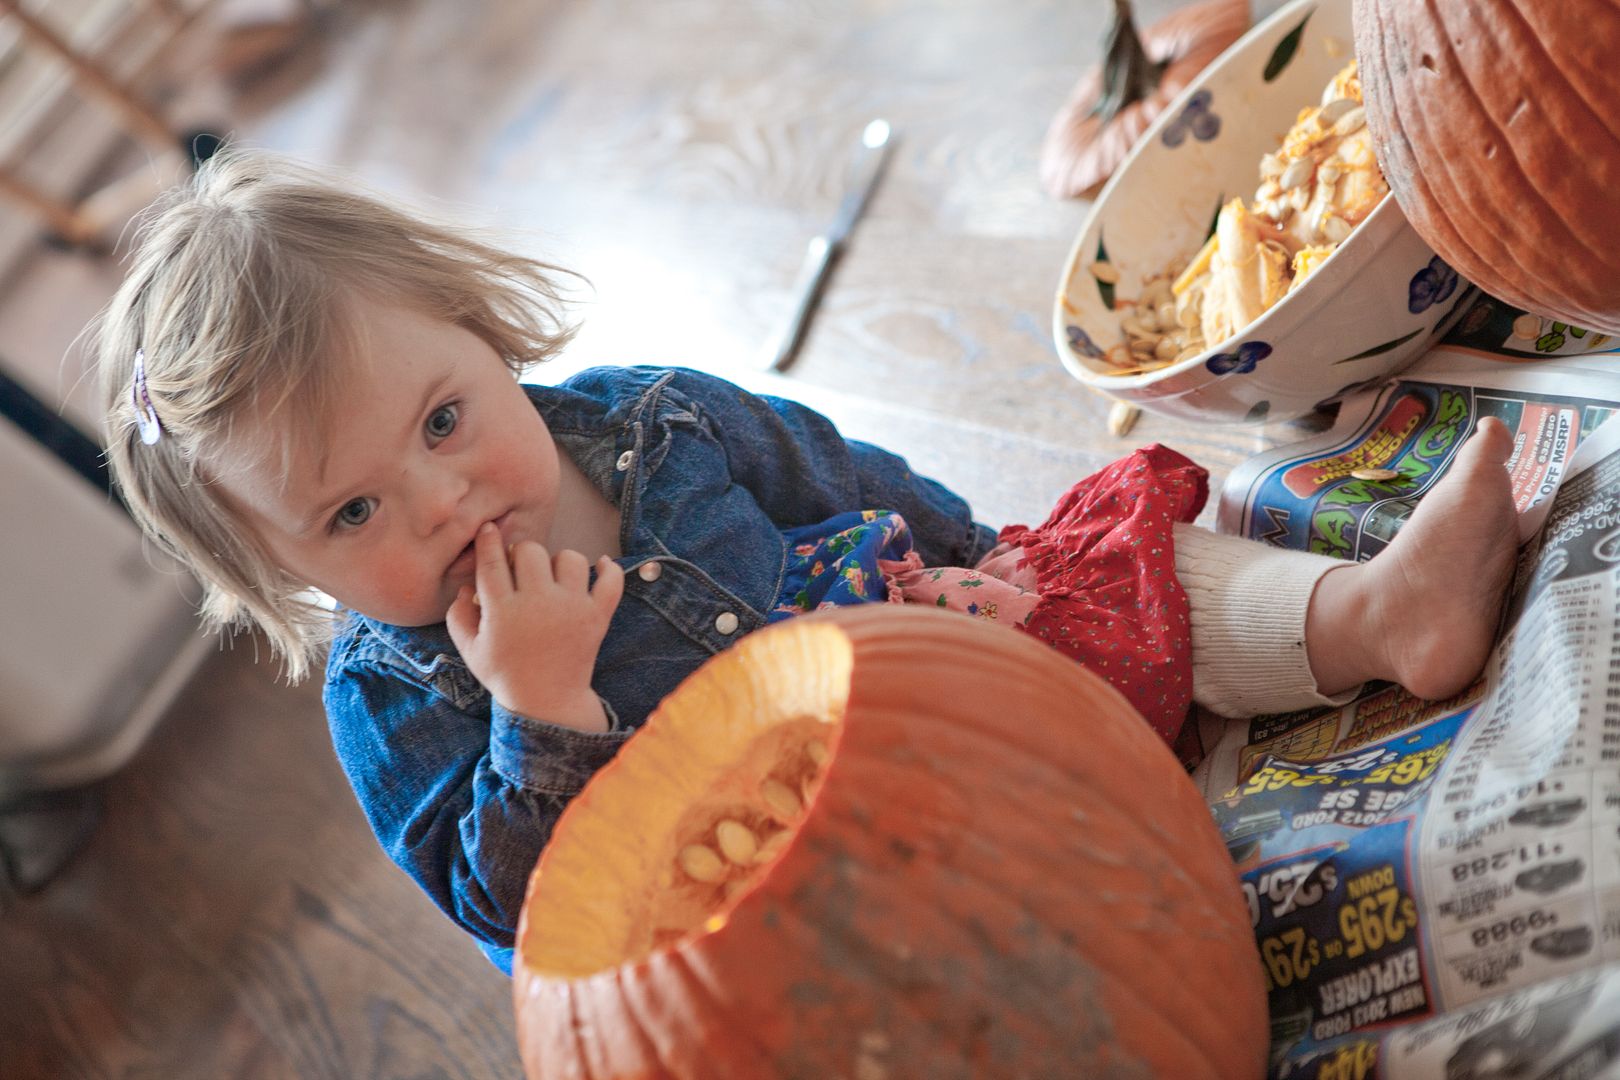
{"x":823,"y":250}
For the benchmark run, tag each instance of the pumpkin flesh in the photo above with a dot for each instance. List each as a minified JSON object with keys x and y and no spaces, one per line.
{"x":717,"y":758}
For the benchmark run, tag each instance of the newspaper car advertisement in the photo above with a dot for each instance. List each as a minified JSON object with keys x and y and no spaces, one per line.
{"x":1521,"y":860}
{"x":1563,"y":1029}
{"x":1325,"y":852}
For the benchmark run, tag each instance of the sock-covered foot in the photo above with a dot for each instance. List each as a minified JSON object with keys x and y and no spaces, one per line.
{"x":1438,"y":588}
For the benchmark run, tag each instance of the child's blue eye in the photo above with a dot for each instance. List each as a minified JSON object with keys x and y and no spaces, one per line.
{"x":352,"y":513}
{"x":443,"y":421}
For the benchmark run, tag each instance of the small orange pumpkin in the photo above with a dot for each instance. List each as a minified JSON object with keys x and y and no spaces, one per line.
{"x":889,"y":841}
{"x":1112,"y":105}
{"x":1494,"y":124}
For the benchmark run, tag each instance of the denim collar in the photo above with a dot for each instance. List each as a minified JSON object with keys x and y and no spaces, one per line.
{"x":594,"y":418}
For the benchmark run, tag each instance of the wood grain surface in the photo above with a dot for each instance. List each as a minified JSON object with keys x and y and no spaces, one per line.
{"x":233,"y":916}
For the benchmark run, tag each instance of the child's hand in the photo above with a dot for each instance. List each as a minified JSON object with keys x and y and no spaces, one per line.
{"x":531,"y":632}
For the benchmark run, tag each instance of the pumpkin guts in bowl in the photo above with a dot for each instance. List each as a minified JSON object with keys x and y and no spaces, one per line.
{"x":1289,"y":296}
{"x":1314,"y":190}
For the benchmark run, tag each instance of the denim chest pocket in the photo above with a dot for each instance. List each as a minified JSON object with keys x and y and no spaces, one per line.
{"x":669,"y":421}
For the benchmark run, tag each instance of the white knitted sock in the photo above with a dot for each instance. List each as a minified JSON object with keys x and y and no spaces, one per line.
{"x":1248,"y":604}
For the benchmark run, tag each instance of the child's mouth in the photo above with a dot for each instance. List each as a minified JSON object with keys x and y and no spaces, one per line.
{"x":465,"y":561}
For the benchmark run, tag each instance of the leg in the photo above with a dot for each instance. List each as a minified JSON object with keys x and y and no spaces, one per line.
{"x":1247,"y":603}
{"x":1423,"y":613}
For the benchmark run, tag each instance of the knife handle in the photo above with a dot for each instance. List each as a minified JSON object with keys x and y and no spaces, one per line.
{"x":818,"y":259}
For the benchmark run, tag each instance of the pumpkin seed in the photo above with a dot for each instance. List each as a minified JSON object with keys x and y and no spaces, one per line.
{"x":1121,"y":418}
{"x":1147,"y":318}
{"x":1298,"y":172}
{"x":1271,"y":166}
{"x":735,"y":886}
{"x":1374,"y":474}
{"x":1133,"y":326}
{"x":1334,"y":228}
{"x":1334,"y":111}
{"x":737,"y":841}
{"x":772,"y":847}
{"x":1527,"y":326}
{"x":816,"y":752}
{"x":1155,"y":293}
{"x":1105,"y":273}
{"x":1351,"y":122}
{"x":1166,"y":349}
{"x":1167,"y":315}
{"x":783,"y":804}
{"x":1329,"y":173}
{"x":1187,"y":354}
{"x":701,"y":863}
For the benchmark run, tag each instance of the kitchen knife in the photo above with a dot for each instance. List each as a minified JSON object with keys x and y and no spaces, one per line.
{"x":873,"y":155}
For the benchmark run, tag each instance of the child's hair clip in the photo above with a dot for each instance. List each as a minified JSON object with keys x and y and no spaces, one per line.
{"x":146,"y":417}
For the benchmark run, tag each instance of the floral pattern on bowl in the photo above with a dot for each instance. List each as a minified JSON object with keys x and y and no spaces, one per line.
{"x":1240,"y":362}
{"x":1081,"y":343}
{"x":1430,"y":285}
{"x":1195,"y":118}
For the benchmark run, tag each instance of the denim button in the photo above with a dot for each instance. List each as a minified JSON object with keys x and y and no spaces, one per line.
{"x":726,"y":622}
{"x":650,"y":571}
{"x":625,"y":459}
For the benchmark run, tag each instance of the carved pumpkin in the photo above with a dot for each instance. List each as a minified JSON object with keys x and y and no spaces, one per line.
{"x":1112,"y":105}
{"x":889,"y":842}
{"x":1494,"y":124}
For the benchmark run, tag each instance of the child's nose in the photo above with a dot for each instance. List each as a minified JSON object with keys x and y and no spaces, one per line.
{"x":437,"y":497}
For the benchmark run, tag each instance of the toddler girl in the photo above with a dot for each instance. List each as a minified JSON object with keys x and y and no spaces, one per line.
{"x":309,"y":392}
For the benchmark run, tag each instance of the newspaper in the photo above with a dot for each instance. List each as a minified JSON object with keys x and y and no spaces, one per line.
{"x":1435,"y":886}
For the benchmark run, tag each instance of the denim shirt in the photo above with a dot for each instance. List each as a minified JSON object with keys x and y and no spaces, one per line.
{"x":462,"y":793}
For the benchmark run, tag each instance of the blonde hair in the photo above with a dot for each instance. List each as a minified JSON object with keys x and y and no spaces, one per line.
{"x":236,"y":300}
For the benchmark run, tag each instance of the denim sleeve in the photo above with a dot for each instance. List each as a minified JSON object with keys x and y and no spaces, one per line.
{"x":461,"y":797}
{"x":800,"y":470}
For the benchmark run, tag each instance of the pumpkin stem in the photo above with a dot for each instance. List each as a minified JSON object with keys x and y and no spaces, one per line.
{"x":1128,"y":74}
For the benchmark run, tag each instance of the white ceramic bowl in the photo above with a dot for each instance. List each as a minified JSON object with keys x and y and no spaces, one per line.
{"x":1370,"y":309}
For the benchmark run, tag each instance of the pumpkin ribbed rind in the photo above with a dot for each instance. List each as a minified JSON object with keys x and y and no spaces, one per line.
{"x":1494,"y":122}
{"x":1004,"y":872}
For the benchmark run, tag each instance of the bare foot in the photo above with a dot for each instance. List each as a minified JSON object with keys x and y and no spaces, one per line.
{"x":1423,"y":612}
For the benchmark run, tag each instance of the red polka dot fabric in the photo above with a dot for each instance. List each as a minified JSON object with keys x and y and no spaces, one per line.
{"x":1105,"y":570}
